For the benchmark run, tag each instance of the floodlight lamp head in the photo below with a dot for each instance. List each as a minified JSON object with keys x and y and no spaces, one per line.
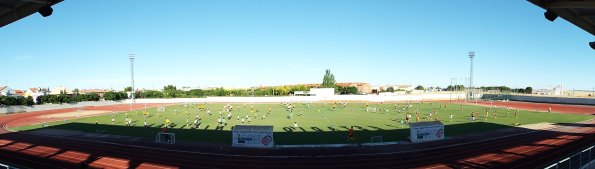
{"x":592,"y":45}
{"x":550,"y":15}
{"x":45,"y":10}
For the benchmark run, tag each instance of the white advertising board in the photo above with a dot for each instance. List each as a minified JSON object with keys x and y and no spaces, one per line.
{"x":253,"y":136}
{"x":426,"y":131}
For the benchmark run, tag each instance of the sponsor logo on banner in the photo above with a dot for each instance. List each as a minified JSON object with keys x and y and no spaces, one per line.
{"x":266,"y":140}
{"x":439,"y":133}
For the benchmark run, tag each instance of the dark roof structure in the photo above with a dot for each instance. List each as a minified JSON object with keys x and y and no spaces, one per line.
{"x":13,"y":10}
{"x":578,"y":12}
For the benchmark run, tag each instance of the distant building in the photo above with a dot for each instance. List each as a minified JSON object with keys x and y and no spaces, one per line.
{"x":316,"y":92}
{"x":363,"y":88}
{"x":398,"y":87}
{"x":36,"y":92}
{"x":556,"y":91}
{"x":5,"y":91}
{"x":59,"y":89}
{"x":18,"y":93}
{"x":322,"y":91}
{"x":99,"y":92}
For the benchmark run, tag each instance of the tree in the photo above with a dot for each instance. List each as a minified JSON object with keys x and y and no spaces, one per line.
{"x":419,"y":87}
{"x":152,"y":94}
{"x":170,"y":91}
{"x":529,"y":90}
{"x":328,"y":81}
{"x":127,"y":89}
{"x":75,"y":91}
{"x":29,"y":101}
{"x":390,"y":89}
{"x":115,"y":95}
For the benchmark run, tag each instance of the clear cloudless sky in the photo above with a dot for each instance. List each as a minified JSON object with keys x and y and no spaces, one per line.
{"x":243,"y":43}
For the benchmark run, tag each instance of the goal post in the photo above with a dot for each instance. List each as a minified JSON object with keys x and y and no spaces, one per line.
{"x":161,"y":109}
{"x":167,"y":138}
{"x":376,"y":139}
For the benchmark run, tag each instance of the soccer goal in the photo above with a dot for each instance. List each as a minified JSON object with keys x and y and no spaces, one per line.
{"x":371,"y":109}
{"x":167,"y":138}
{"x":160,"y":109}
{"x":376,"y":139}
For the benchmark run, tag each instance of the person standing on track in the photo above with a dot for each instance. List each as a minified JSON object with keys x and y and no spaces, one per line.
{"x":350,"y":135}
{"x":549,"y":109}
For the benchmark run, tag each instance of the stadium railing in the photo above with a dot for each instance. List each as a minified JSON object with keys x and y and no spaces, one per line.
{"x":583,"y":159}
{"x":6,"y":166}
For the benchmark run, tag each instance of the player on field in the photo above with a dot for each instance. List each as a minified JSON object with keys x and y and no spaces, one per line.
{"x":416,"y":117}
{"x":472,"y":117}
{"x":450,"y":118}
{"x":166,"y":122}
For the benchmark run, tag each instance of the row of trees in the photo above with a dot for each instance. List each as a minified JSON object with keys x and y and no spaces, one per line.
{"x":54,"y":99}
{"x":346,"y":90}
{"x":9,"y":101}
{"x":170,"y":91}
{"x":527,"y":90}
{"x":64,"y":98}
{"x":115,"y":96}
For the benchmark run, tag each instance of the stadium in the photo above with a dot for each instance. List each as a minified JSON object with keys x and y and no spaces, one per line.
{"x":326,"y":125}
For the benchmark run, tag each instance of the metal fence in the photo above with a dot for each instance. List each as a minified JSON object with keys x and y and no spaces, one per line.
{"x":6,"y":166}
{"x":584,"y":159}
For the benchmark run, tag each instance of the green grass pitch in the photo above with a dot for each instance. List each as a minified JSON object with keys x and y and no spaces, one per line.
{"x":319,"y":124}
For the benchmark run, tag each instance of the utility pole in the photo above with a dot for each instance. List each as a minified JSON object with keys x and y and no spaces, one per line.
{"x":471,"y":56}
{"x":133,"y":92}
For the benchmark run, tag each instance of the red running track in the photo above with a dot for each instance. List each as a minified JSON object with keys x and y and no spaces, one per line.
{"x":542,"y":107}
{"x":520,"y":151}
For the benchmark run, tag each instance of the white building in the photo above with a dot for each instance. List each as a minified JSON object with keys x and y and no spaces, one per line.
{"x":556,"y":91}
{"x":5,"y":91}
{"x":322,"y":91}
{"x":57,"y":90}
{"x":316,"y":92}
{"x":398,"y":87}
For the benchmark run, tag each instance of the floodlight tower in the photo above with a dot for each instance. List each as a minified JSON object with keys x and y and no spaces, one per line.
{"x":471,"y":56}
{"x":131,"y":57}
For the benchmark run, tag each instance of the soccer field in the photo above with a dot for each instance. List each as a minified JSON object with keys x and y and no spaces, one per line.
{"x":318,"y":123}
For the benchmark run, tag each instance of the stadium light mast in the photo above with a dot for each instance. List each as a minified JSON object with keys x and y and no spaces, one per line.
{"x":133,"y":92}
{"x":471,"y":56}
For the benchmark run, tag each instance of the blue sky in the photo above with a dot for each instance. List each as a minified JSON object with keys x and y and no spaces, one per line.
{"x":85,"y":44}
